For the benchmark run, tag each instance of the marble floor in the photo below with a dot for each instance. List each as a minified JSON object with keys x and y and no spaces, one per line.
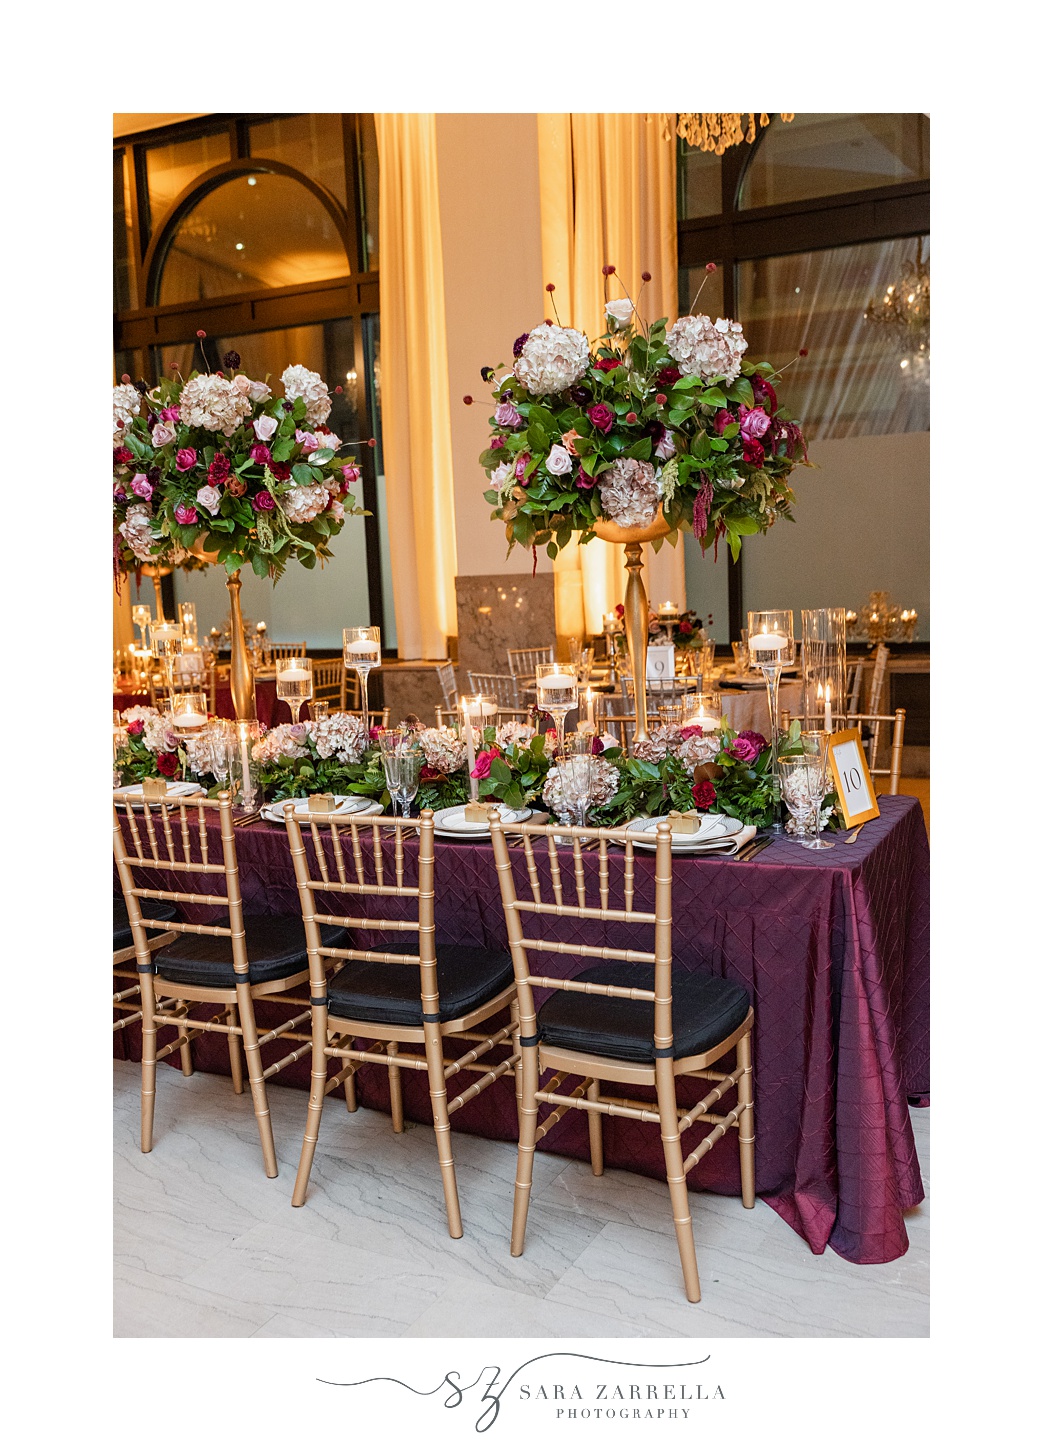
{"x":206,"y":1246}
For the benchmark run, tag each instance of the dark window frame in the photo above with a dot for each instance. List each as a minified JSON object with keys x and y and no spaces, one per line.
{"x":815,"y":224}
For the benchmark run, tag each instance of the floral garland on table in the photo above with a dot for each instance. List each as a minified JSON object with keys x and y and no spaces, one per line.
{"x":146,"y":748}
{"x":642,"y":419}
{"x":218,"y":463}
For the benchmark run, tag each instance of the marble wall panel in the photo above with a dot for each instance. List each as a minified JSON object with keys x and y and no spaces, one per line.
{"x":497,"y":612}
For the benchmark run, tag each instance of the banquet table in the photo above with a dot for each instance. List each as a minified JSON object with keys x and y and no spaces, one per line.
{"x":833,"y":949}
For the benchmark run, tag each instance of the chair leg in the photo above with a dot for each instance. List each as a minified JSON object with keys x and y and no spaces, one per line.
{"x":398,"y":1120}
{"x":235,"y":1055}
{"x":256,"y":1072}
{"x":148,"y":1060}
{"x":594,"y":1127}
{"x":516,"y":1050}
{"x":316,"y":1098}
{"x":667,"y":1103}
{"x":350,"y":1097}
{"x":433,"y":1046}
{"x":186,"y":1048}
{"x":527,"y":1114}
{"x":744,"y":1059}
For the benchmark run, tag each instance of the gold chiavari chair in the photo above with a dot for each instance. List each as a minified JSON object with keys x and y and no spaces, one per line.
{"x":522,"y":663}
{"x":628,"y":1020}
{"x":446,"y":717}
{"x":447,"y":680}
{"x":329,"y":682}
{"x":872,"y":728}
{"x":230,"y":962}
{"x":388,"y":996}
{"x":876,"y":681}
{"x":126,"y":997}
{"x":855,"y":671}
{"x":284,"y":651}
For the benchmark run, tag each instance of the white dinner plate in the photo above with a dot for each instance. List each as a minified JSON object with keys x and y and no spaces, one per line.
{"x":345,"y":806}
{"x":450,"y":821}
{"x":174,"y":788}
{"x":714,"y":832}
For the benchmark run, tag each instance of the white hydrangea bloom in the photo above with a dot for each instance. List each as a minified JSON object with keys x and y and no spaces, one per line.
{"x":214,"y":403}
{"x":514,"y":733}
{"x":698,"y":750}
{"x":709,"y":349}
{"x":301,"y":502}
{"x":662,"y":741}
{"x":282,"y":740}
{"x":605,"y":786}
{"x":342,"y":735}
{"x":443,"y":749}
{"x":126,"y":400}
{"x":552,"y":359}
{"x":137,"y":530}
{"x":301,"y":382}
{"x":630,"y":492}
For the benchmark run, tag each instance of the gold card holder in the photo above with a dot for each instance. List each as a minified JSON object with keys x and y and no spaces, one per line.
{"x":851,"y":778}
{"x":154,"y":788}
{"x":322,"y":803}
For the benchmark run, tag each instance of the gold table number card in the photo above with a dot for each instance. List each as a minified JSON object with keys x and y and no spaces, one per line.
{"x":854,"y":785}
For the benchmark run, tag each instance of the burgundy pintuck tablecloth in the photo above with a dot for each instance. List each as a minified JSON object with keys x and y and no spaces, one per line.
{"x":833,"y":949}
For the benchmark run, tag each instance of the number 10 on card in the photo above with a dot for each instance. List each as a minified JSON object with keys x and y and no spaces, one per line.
{"x":854,"y":785}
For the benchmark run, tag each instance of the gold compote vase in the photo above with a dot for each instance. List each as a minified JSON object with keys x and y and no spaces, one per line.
{"x":635,"y":603}
{"x":242,"y":675}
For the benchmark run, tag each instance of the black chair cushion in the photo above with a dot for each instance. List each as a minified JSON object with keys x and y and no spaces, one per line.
{"x":706,"y":1010}
{"x":275,"y":946}
{"x":389,"y":992}
{"x":121,"y":933}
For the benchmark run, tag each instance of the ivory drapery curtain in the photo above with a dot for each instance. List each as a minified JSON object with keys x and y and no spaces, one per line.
{"x":607,"y":195}
{"x":415,"y":388}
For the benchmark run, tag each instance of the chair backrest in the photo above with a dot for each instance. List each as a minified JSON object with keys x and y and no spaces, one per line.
{"x":444,"y":717}
{"x":168,"y":840}
{"x":329,"y":682}
{"x":876,"y":680}
{"x":570,"y":888}
{"x":671,"y":688}
{"x":447,"y":680}
{"x":522,"y":663}
{"x":855,"y":672}
{"x":359,"y":861}
{"x":284,"y":651}
{"x":873,"y":726}
{"x":501,"y":688}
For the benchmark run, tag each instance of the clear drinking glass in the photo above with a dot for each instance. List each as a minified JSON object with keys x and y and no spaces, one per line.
{"x":772,"y":648}
{"x":576,"y":775}
{"x":793,"y":779}
{"x":741,"y":654}
{"x":142,"y":618}
{"x":816,"y":756}
{"x":557,"y":692}
{"x":221,"y":740}
{"x":701,"y":708}
{"x":402,"y":761}
{"x":670,"y":710}
{"x":293,"y":683}
{"x":362,"y":654}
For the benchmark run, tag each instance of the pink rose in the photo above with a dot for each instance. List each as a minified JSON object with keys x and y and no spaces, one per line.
{"x":584,"y":480}
{"x":209,"y":498}
{"x":747,"y":746}
{"x":507,"y":416}
{"x":483,"y":762}
{"x":308,"y":441}
{"x":753,"y":423}
{"x":350,"y":473}
{"x":162,"y":434}
{"x":519,"y":467}
{"x":141,"y":486}
{"x":688,"y":731}
{"x":496,"y":442}
{"x":264,"y":501}
{"x":337,"y":510}
{"x":185,"y":514}
{"x":136,"y":728}
{"x":601,"y":416}
{"x":559,"y":461}
{"x":170,"y":415}
{"x":264,"y":427}
{"x":185,"y":459}
{"x":261,"y":453}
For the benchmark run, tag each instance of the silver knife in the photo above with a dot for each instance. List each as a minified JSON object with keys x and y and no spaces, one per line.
{"x":756,"y":845}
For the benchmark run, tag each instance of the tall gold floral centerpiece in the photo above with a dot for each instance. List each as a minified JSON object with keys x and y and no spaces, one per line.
{"x":648,"y":432}
{"x":216,"y":470}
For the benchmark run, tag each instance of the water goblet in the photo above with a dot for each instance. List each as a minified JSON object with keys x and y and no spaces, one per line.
{"x":557,"y":692}
{"x":793,"y":779}
{"x":576,"y":774}
{"x":293,"y":683}
{"x":362,"y":654}
{"x":816,"y":756}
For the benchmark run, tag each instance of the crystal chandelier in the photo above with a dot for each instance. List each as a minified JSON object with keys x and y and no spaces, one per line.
{"x":706,"y":132}
{"x":905,"y":311}
{"x":881,"y":620}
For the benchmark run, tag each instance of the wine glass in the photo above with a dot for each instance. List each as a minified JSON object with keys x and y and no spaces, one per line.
{"x":557,"y":692}
{"x":402,"y":762}
{"x":816,"y":756}
{"x":222,"y":743}
{"x":293,"y":683}
{"x":793,"y":779}
{"x":772,"y":648}
{"x":362,"y":654}
{"x":576,"y":774}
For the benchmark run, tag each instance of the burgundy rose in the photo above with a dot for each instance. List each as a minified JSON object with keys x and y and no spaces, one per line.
{"x":704,"y":795}
{"x":374,"y":734}
{"x":154,"y":474}
{"x":264,"y":501}
{"x":185,"y":459}
{"x":583,"y":479}
{"x":519,"y":343}
{"x":601,"y":417}
{"x":723,"y":419}
{"x":121,"y":456}
{"x":498,"y":442}
{"x":519,"y":467}
{"x":667,"y":377}
{"x":167,"y":764}
{"x":688,"y":731}
{"x":580,"y":396}
{"x":281,"y":472}
{"x":597,"y":746}
{"x":483,"y":762}
{"x":684,"y":628}
{"x":605,"y":365}
{"x":136,"y":728}
{"x":753,"y":452}
{"x":753,"y":423}
{"x":763,"y":392}
{"x":186,"y":514}
{"x":219,"y":469}
{"x":428,"y":773}
{"x":261,"y":453}
{"x":747,"y":746}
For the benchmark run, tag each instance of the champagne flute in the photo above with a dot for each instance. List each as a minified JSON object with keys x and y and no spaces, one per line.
{"x":557,"y":692}
{"x":293,"y":683}
{"x":576,"y":773}
{"x":816,"y":755}
{"x":362,"y":654}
